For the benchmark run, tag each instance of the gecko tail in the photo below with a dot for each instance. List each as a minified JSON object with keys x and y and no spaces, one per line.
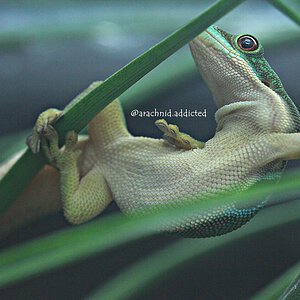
{"x":109,"y":125}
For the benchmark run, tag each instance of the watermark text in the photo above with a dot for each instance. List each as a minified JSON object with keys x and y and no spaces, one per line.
{"x":181,"y":113}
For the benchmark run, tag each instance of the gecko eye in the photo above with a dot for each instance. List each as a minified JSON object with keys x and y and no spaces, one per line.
{"x":247,"y":43}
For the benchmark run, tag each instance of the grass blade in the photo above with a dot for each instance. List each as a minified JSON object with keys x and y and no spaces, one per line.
{"x":293,"y":290}
{"x":279,"y":286}
{"x":286,"y":10}
{"x":11,"y":144}
{"x":53,"y":251}
{"x":81,"y":112}
{"x":144,"y":273}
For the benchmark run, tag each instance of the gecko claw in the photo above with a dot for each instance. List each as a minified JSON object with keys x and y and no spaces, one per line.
{"x":34,"y":143}
{"x":43,"y":128}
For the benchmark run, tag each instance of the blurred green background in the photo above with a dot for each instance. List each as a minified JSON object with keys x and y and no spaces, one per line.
{"x":52,"y":50}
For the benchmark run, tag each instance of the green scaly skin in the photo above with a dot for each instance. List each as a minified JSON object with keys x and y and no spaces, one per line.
{"x":263,"y":71}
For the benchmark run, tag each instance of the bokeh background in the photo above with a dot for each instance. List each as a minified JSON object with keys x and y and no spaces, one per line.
{"x":51,"y":50}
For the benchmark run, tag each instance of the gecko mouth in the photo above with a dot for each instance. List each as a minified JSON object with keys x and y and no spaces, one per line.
{"x":219,"y":42}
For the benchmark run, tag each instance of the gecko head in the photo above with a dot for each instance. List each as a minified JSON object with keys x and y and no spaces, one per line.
{"x":235,"y":70}
{"x":222,"y":60}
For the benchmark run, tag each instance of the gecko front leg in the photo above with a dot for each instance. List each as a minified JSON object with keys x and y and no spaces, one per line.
{"x":176,"y":138}
{"x":82,"y":198}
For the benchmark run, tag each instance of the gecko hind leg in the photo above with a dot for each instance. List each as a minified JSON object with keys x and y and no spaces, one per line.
{"x":85,"y":197}
{"x":177,"y":138}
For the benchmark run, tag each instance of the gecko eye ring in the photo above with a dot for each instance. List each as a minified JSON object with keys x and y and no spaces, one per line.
{"x":247,"y":43}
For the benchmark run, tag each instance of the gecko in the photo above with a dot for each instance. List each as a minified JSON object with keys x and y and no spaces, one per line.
{"x":257,"y":133}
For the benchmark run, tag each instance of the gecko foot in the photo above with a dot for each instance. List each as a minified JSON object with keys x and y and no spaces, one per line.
{"x":60,"y":158}
{"x":176,"y":138}
{"x":44,"y":121}
{"x":45,"y":137}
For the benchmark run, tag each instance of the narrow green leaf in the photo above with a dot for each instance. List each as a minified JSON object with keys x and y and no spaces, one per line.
{"x":285,"y":9}
{"x":53,"y":251}
{"x":284,"y":285}
{"x":77,"y":116}
{"x":10,"y":144}
{"x":141,"y":275}
{"x":176,"y":70}
{"x":292,"y":292}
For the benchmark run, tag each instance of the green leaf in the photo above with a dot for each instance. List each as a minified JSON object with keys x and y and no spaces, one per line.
{"x":285,"y":9}
{"x":292,"y":292}
{"x":176,"y":70}
{"x":143,"y":274}
{"x":79,"y":114}
{"x":283,"y":287}
{"x":47,"y":253}
{"x":11,"y":144}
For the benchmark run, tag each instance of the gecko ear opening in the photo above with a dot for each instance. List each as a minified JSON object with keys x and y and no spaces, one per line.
{"x":265,"y":82}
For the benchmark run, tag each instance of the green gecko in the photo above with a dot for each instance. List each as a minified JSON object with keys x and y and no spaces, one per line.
{"x":257,"y":132}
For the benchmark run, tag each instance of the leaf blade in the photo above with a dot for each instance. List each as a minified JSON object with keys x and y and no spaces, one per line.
{"x":50,"y":252}
{"x":286,"y":10}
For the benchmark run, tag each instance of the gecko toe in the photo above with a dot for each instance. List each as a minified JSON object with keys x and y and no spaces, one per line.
{"x":176,"y":138}
{"x":43,"y":129}
{"x":71,"y":140}
{"x":162,"y":125}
